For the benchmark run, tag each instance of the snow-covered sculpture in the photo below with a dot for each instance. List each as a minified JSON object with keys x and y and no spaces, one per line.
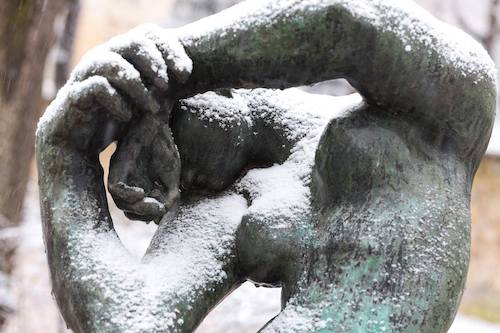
{"x":357,"y":206}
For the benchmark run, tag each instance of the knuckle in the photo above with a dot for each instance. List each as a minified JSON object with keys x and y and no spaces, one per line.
{"x":104,"y":63}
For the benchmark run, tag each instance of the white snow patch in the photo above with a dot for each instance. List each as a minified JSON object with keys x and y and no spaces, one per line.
{"x":207,"y":107}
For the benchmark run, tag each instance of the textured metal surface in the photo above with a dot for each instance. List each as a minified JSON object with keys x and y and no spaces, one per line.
{"x":378,"y":240}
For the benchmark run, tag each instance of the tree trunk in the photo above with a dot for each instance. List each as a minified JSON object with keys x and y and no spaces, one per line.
{"x":27,"y":33}
{"x":66,"y":43}
{"x":26,"y":36}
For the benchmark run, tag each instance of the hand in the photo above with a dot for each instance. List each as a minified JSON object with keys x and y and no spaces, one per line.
{"x":145,"y":171}
{"x":118,"y":92}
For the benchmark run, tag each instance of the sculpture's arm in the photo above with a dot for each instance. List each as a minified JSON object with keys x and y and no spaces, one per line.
{"x":399,"y":58}
{"x":99,"y":287}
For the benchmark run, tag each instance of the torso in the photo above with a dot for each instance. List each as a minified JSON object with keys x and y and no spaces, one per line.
{"x":375,"y":180}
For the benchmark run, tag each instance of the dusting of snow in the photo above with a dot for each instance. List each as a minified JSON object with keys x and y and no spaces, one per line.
{"x":102,"y":58}
{"x":227,"y":114}
{"x":157,"y":46}
{"x":142,"y":46}
{"x":191,"y":253}
{"x":69,"y":94}
{"x":245,"y":310}
{"x":52,"y":110}
{"x":167,"y":43}
{"x":149,"y":200}
{"x":296,"y":319}
{"x":198,"y":242}
{"x":188,"y":256}
{"x":405,"y":19}
{"x":280,"y":194}
{"x":416,"y":26}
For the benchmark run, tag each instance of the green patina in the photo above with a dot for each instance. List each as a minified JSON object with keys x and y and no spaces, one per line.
{"x":380,"y":245}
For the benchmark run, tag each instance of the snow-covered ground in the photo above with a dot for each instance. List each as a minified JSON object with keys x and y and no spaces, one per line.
{"x":244,"y":311}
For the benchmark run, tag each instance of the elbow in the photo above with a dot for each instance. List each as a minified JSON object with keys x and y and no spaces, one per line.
{"x":480,"y":93}
{"x":474,"y":104}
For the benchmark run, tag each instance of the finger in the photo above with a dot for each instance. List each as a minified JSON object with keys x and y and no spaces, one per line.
{"x":173,"y":197}
{"x":147,"y":219}
{"x":176,"y":58}
{"x":143,"y":54}
{"x":166,"y":164}
{"x":120,"y":74}
{"x":87,"y":112}
{"x":126,"y":193}
{"x":125,"y":183}
{"x":130,"y":148}
{"x":128,"y":174}
{"x":97,"y":90}
{"x":147,"y":207}
{"x":169,"y":198}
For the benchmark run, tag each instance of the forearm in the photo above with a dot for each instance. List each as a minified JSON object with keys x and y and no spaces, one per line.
{"x":398,"y":59}
{"x":194,"y":257}
{"x":76,"y":230}
{"x":99,"y":287}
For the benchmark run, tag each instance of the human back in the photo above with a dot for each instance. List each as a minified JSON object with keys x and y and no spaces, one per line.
{"x":372,"y":251}
{"x":394,"y":219}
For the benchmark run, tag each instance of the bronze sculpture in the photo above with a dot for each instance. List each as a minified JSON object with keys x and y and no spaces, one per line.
{"x":358,"y":208}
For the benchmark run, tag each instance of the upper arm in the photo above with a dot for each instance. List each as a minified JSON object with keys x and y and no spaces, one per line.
{"x":433,"y":74}
{"x":399,"y":57}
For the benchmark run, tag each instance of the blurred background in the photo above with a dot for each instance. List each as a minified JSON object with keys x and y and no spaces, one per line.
{"x":42,"y":40}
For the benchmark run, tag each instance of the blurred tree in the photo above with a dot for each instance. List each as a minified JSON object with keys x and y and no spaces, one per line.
{"x":66,"y":39}
{"x":27,"y":34}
